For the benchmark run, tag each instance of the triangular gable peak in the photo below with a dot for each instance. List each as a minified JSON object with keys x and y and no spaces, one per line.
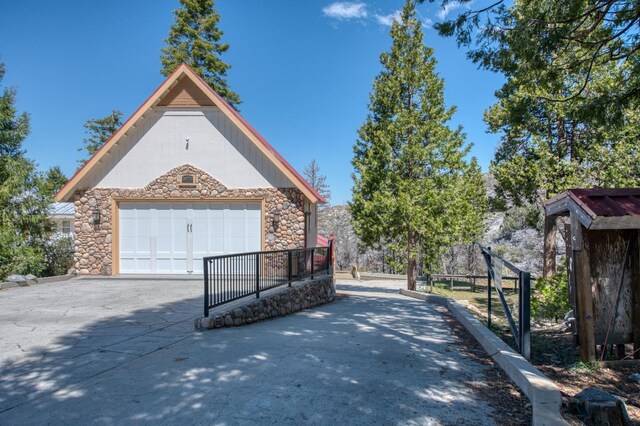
{"x":184,"y":89}
{"x":186,"y":94}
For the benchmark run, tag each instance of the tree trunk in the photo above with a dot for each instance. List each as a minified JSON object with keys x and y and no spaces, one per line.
{"x":550,"y":247}
{"x":411,"y":260}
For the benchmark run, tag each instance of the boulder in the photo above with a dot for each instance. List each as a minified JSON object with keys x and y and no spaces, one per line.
{"x":16,"y":278}
{"x":635,"y":377}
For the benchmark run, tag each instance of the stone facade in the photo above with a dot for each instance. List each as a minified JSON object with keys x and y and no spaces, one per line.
{"x":307,"y":295}
{"x":93,"y":242}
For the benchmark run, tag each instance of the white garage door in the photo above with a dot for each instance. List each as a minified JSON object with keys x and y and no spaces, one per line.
{"x":172,"y":238}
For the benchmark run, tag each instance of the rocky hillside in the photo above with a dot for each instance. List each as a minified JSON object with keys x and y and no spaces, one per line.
{"x":514,"y":233}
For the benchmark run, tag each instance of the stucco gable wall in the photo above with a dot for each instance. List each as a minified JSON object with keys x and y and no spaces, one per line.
{"x":215,"y":145}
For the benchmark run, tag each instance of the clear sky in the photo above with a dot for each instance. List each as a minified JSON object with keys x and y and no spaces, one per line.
{"x":304,"y":70}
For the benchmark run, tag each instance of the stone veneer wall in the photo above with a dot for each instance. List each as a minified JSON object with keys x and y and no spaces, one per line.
{"x":309,"y":294}
{"x":93,"y":242}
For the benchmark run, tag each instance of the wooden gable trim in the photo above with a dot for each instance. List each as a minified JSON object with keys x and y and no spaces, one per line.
{"x":566,"y":203}
{"x":68,"y":189}
{"x":156,"y":97}
{"x":186,"y":94}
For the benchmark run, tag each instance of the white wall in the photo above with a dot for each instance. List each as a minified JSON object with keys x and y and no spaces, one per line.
{"x":159,"y":144}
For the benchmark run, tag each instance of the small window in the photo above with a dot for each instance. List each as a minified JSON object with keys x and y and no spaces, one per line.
{"x":187,"y":181}
{"x":66,"y":227}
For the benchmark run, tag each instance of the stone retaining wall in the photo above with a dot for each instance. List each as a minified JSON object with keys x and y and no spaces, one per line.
{"x":307,"y":295}
{"x":93,"y":242}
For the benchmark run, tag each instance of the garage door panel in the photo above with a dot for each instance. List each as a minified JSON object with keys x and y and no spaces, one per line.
{"x":127,"y":264}
{"x":154,"y":237}
{"x":164,"y":265}
{"x":143,"y":264}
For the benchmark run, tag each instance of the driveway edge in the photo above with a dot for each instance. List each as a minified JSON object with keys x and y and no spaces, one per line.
{"x":45,"y":280}
{"x":545,"y":398}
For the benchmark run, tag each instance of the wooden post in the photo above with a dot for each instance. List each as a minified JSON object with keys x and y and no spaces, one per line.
{"x":550,"y":247}
{"x":635,"y":291}
{"x":411,"y":260}
{"x":584,"y":295}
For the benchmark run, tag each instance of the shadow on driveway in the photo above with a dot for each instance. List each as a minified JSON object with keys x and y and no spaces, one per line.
{"x":364,"y":359}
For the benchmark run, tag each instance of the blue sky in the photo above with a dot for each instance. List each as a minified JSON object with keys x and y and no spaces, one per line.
{"x":303,"y":69}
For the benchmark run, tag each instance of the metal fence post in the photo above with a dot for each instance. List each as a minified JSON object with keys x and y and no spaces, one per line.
{"x":525,"y":314}
{"x":489,"y":263}
{"x":206,"y":287}
{"x":313,"y":260}
{"x":257,"y":275}
{"x":289,"y":266}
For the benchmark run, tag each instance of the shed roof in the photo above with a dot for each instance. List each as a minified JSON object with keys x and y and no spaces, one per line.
{"x":599,"y":208}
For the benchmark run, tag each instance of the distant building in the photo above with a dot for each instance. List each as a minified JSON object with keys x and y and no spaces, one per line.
{"x":62,"y":215}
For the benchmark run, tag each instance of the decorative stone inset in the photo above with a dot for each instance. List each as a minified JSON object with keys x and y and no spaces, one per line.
{"x":96,"y":240}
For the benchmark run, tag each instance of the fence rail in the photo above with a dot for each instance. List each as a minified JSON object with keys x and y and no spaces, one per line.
{"x":460,"y":281}
{"x":234,"y":276}
{"x":521,"y":331}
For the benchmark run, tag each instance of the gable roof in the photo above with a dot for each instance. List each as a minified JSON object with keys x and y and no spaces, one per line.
{"x":599,"y":208}
{"x":175,"y":81}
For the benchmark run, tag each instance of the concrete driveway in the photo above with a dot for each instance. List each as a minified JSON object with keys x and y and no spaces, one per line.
{"x":125,"y":352}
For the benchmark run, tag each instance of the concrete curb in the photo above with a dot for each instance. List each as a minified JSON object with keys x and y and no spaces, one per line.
{"x":545,"y":398}
{"x":45,"y":280}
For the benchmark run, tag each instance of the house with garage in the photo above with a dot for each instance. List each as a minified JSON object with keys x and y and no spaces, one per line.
{"x":186,"y":176}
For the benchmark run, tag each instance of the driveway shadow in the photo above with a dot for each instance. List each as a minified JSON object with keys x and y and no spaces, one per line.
{"x":359,"y":360}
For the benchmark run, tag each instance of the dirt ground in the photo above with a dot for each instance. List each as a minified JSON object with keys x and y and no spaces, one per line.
{"x":511,"y":406}
{"x":554,"y":353}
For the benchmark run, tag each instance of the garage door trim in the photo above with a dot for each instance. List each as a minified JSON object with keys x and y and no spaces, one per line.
{"x":115,"y":218}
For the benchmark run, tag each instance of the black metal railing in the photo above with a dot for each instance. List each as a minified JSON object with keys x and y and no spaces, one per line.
{"x":521,"y":331}
{"x":234,"y":276}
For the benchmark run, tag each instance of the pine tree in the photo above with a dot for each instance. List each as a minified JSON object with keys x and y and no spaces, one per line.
{"x":317,"y":180}
{"x":411,"y":184}
{"x":98,"y":131}
{"x":52,"y":181}
{"x":23,"y":197}
{"x":195,"y":39}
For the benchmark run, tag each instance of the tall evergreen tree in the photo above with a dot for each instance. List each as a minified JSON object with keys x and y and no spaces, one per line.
{"x":317,"y":179}
{"x":23,"y":195}
{"x":51,"y":181}
{"x":411,"y":180}
{"x":98,"y":131}
{"x":568,"y":113}
{"x":195,"y":39}
{"x":548,"y":38}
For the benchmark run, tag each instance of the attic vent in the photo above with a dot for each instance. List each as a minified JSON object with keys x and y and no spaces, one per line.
{"x":187,"y":182}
